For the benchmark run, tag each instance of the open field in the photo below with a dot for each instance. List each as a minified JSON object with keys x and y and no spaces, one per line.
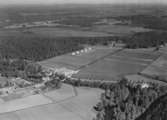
{"x":96,"y":31}
{"x":23,"y":103}
{"x":105,"y":63}
{"x":115,"y":66}
{"x":67,"y":32}
{"x":157,"y":68}
{"x":78,"y":107}
{"x":6,"y":33}
{"x":64,"y":93}
{"x":11,"y":104}
{"x":118,"y":29}
{"x":109,"y":70}
{"x":77,"y":61}
{"x":54,"y":32}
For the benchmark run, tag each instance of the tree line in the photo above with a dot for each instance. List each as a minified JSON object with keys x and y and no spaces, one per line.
{"x":145,"y":39}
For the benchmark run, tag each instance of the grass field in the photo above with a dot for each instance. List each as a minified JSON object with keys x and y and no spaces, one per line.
{"x":96,"y":31}
{"x":118,"y":29}
{"x":67,"y":32}
{"x":75,"y":108}
{"x":66,"y":92}
{"x":53,"y":32}
{"x":157,"y":68}
{"x":104,"y":63}
{"x":23,"y":103}
{"x":77,"y":61}
{"x":117,"y":65}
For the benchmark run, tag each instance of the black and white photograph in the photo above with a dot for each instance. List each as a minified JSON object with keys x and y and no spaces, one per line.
{"x":83,"y":59}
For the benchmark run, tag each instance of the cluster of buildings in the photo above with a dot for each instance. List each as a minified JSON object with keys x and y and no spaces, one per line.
{"x":65,"y":71}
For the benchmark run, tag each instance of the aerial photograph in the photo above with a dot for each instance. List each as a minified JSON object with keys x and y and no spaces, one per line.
{"x":83,"y":59}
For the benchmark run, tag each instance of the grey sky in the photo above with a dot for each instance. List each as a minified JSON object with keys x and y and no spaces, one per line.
{"x":77,"y":1}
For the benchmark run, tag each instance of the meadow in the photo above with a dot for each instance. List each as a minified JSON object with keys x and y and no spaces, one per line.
{"x":76,"y":61}
{"x":119,"y":29}
{"x":63,"y":108}
{"x":157,"y":69}
{"x":66,"y":32}
{"x":115,"y":66}
{"x":105,"y":63}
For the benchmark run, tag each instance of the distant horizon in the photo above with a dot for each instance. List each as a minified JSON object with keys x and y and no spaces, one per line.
{"x":80,"y":4}
{"x":91,"y":2}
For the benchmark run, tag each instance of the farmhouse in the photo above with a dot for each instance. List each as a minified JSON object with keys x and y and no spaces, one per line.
{"x":65,"y":71}
{"x":145,"y":85}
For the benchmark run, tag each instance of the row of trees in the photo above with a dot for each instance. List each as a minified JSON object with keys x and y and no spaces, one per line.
{"x":88,"y":83}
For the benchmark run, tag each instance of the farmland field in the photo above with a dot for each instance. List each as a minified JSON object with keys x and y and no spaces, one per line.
{"x":115,"y":66}
{"x":77,"y":61}
{"x":54,"y":32}
{"x":157,"y":68}
{"x":118,"y":29}
{"x":75,"y":108}
{"x":67,"y":32}
{"x":23,"y":103}
{"x":105,"y":63}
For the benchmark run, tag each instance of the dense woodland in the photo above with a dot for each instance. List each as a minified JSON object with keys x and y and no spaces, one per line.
{"x":146,"y":39}
{"x":124,"y":101}
{"x":38,"y":48}
{"x":156,"y":111}
{"x":157,"y":22}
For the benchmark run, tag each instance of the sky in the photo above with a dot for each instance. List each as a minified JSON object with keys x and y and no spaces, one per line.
{"x":6,"y":2}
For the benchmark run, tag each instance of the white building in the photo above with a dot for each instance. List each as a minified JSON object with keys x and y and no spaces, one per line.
{"x":65,"y":71}
{"x":145,"y":85}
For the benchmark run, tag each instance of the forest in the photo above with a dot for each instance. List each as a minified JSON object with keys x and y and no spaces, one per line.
{"x":145,"y":39}
{"x":156,"y":22}
{"x":156,"y":111}
{"x":36,"y":48}
{"x":124,"y":101}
